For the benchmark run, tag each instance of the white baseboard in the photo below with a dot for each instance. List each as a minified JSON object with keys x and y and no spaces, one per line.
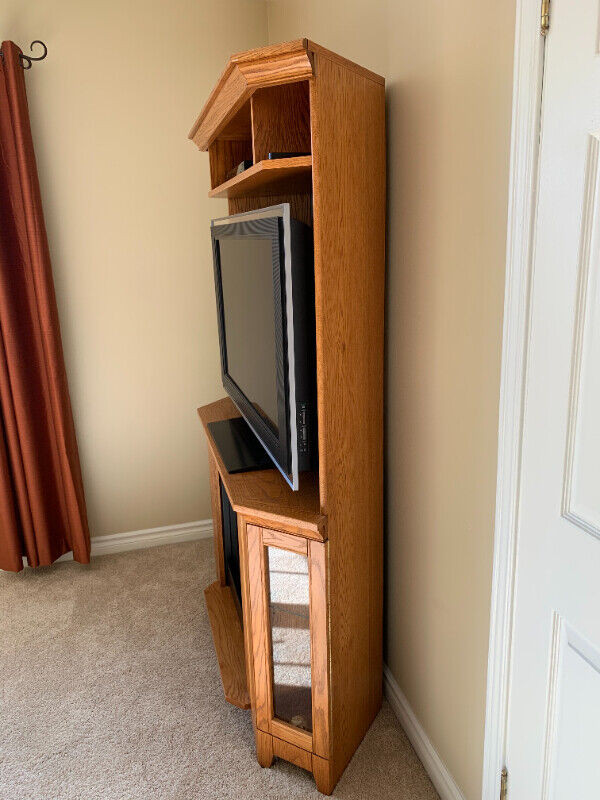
{"x":150,"y":537}
{"x":434,"y":766}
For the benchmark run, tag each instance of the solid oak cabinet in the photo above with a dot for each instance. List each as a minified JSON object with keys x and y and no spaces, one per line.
{"x":296,"y":610}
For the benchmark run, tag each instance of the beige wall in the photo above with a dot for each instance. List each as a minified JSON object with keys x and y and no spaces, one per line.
{"x":449,"y":78}
{"x":125,"y":197}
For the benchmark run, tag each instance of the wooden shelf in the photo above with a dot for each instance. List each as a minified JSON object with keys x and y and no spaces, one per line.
{"x":229,"y":643}
{"x":281,"y":174}
{"x":265,"y":493}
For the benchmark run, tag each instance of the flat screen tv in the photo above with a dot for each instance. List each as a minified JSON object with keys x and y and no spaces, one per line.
{"x":264,"y":283}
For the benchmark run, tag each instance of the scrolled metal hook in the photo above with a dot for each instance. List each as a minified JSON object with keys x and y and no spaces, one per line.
{"x":26,"y":61}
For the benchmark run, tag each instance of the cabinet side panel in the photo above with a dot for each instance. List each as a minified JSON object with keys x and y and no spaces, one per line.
{"x":348,"y":138}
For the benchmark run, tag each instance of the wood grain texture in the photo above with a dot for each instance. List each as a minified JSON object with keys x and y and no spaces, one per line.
{"x":363,"y":72}
{"x":348,"y":129}
{"x":301,"y":207}
{"x":264,"y":748}
{"x":297,"y":45}
{"x":296,"y":544}
{"x":280,"y":120}
{"x":286,"y":526}
{"x":288,"y":733}
{"x":217,"y":516}
{"x":264,"y":494}
{"x":323,"y":774}
{"x":319,"y":648}
{"x":229,"y":643}
{"x":265,"y":66}
{"x":239,"y":127}
{"x":270,"y":51}
{"x":278,"y":175}
{"x":295,"y":755}
{"x":224,"y":155}
{"x":259,"y":625}
{"x":224,"y":103}
{"x":243,"y":74}
{"x":285,"y":68}
{"x":247,"y":613}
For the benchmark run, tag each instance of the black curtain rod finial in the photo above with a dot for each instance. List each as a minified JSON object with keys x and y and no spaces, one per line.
{"x":26,"y":61}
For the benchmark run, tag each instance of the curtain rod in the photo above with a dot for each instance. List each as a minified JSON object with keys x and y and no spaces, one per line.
{"x":26,"y":61}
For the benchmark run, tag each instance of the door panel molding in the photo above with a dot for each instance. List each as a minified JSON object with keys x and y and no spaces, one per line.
{"x":527,"y":92}
{"x":556,"y":646}
{"x":579,"y":515}
{"x":570,"y":652}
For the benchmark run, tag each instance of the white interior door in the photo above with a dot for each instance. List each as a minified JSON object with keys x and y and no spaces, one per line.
{"x":553,"y":740}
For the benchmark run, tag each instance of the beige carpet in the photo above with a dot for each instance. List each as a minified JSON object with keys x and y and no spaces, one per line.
{"x":110,"y":690}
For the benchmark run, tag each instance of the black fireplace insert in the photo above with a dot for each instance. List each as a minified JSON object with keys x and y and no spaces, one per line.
{"x":231,"y":549}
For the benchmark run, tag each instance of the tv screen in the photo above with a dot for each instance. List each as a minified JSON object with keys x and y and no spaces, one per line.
{"x":249,"y":321}
{"x":264,"y":285}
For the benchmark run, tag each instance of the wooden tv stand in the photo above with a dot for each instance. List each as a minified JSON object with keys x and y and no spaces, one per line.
{"x":315,"y":687}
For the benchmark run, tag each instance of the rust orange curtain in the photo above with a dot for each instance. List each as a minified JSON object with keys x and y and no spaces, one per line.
{"x":42,"y":506}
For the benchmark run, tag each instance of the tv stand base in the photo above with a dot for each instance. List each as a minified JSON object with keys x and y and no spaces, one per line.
{"x":238,"y":446}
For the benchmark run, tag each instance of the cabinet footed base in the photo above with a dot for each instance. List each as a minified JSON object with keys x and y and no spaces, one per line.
{"x":264,"y":748}
{"x":323,"y":774}
{"x":270,"y":747}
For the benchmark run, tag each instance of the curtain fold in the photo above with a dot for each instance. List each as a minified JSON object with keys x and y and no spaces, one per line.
{"x":42,"y":505}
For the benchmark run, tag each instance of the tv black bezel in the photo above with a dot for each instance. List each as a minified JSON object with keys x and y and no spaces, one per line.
{"x":267,"y":223}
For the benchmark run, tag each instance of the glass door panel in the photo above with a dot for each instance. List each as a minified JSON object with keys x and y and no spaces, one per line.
{"x":289,"y":618}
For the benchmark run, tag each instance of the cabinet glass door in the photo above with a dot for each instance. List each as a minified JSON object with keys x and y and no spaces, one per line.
{"x":287,"y":580}
{"x":288,"y":607}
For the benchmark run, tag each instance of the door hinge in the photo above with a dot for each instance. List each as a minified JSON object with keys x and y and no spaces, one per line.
{"x":545,"y":17}
{"x":504,"y":784}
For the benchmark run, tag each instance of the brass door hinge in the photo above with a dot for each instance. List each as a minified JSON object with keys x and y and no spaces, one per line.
{"x":545,"y":17}
{"x":504,"y":784}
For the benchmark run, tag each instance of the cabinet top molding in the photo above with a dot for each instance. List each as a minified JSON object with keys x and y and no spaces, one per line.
{"x":256,"y":69}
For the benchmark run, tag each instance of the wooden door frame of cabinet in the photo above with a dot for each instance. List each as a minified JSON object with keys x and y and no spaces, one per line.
{"x":258,"y":641}
{"x":319,"y":647}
